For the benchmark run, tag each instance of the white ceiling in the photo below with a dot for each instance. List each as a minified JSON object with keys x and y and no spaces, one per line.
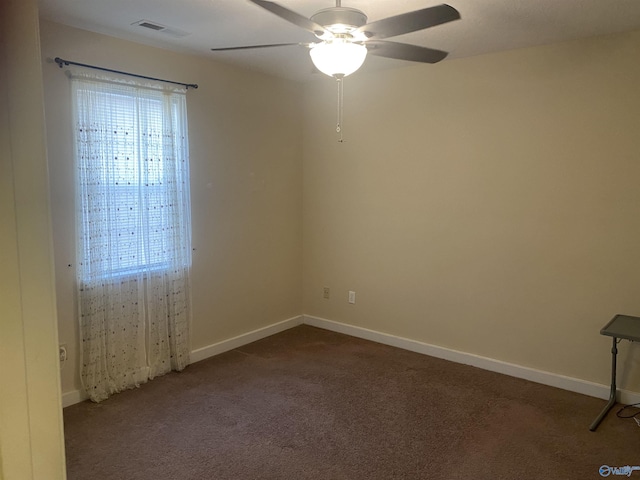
{"x":486,"y":26}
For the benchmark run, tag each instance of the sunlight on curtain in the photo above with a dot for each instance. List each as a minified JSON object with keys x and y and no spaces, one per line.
{"x":134,"y":232}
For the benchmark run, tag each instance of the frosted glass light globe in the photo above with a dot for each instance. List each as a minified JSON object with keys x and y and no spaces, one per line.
{"x":338,"y":57}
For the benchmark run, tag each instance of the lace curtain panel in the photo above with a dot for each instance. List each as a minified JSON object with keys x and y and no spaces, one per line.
{"x":133,"y":225}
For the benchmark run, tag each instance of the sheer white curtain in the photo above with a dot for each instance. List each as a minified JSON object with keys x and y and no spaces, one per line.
{"x":133,"y":231}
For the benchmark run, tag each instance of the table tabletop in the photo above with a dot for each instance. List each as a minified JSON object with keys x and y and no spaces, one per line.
{"x":623,"y":326}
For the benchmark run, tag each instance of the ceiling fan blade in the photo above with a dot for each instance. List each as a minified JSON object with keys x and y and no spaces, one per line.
{"x":248,"y":47}
{"x":293,"y":17}
{"x":409,"y":22}
{"x":402,"y":51}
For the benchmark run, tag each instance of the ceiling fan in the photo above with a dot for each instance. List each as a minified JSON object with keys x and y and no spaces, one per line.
{"x":345,"y":37}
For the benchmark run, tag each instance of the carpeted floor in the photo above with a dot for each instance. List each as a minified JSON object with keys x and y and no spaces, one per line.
{"x":313,"y":404}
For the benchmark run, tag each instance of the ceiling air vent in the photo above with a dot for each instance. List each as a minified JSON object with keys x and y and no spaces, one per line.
{"x":173,"y":32}
{"x":152,"y":26}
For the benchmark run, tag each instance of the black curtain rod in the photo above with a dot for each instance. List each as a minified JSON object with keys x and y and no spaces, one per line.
{"x":62,"y":63}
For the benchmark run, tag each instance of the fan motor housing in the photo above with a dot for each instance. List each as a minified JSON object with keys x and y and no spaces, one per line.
{"x":340,"y":19}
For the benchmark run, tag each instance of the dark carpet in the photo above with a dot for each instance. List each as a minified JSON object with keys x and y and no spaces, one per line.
{"x":313,"y":404}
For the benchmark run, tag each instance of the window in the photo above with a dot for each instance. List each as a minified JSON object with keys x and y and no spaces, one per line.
{"x":133,"y":181}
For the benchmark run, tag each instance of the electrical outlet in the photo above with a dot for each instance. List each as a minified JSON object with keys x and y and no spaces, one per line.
{"x":62,"y":353}
{"x":352,"y":297}
{"x":326,"y":293}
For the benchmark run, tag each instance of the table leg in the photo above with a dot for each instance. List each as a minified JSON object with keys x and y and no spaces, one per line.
{"x":612,"y":395}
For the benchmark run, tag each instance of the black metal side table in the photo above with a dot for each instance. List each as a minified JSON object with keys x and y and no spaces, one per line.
{"x":620,"y":327}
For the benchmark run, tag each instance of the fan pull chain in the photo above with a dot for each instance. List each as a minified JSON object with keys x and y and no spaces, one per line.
{"x":340,"y":109}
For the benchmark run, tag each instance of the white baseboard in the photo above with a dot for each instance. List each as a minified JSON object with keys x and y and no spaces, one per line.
{"x":244,"y":339}
{"x":73,"y":397}
{"x":77,"y":396}
{"x":538,"y":376}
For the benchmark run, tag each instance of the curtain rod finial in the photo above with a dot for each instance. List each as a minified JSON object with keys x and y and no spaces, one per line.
{"x":60,"y":62}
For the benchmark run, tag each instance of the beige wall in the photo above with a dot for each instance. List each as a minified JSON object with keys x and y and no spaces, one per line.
{"x":489,"y":205}
{"x":31,"y":442}
{"x":246,"y":185}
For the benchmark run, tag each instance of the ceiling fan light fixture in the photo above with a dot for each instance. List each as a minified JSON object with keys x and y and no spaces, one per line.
{"x":338,"y":57}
